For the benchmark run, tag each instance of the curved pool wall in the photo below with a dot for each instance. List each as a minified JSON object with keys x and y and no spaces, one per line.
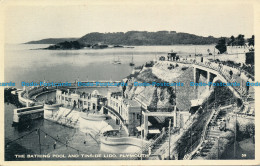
{"x":94,"y":117}
{"x":123,"y":141}
{"x":119,"y":148}
{"x":86,"y":124}
{"x":32,"y":92}
{"x":24,"y":100}
{"x":50,"y":110}
{"x":122,"y":144}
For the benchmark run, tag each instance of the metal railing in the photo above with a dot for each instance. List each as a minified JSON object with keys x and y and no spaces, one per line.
{"x":219,"y":69}
{"x":149,"y":146}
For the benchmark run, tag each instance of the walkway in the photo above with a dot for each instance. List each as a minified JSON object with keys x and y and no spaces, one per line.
{"x":218,"y":70}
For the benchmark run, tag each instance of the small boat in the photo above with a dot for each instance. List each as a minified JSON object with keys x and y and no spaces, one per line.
{"x":117,"y":62}
{"x":132,"y":62}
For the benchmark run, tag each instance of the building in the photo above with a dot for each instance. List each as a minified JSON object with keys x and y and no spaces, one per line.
{"x":129,"y":110}
{"x":172,"y":56}
{"x":82,"y":100}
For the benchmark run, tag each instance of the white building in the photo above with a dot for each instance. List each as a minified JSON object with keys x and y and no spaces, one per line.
{"x":82,"y":100}
{"x":129,"y":110}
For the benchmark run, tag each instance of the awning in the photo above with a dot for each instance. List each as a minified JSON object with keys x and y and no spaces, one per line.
{"x":142,"y":126}
{"x":149,"y":124}
{"x":154,"y":131}
{"x":139,"y":128}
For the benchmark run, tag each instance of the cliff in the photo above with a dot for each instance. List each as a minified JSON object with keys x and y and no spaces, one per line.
{"x":153,"y":97}
{"x":162,"y":97}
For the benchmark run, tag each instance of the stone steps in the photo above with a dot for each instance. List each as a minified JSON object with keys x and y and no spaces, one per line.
{"x":159,"y":145}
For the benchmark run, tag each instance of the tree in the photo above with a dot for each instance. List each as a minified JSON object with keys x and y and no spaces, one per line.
{"x":251,"y":41}
{"x":221,"y":46}
{"x":240,"y":40}
{"x":231,"y":41}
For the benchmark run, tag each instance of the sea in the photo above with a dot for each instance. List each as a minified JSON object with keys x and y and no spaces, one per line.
{"x":27,"y":62}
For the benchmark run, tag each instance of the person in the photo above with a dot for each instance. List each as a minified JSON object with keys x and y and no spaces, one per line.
{"x":150,"y":150}
{"x":247,"y":87}
{"x":231,"y":73}
{"x":54,"y":145}
{"x":163,"y":130}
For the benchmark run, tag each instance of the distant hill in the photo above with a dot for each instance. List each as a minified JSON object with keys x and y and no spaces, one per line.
{"x":51,"y":41}
{"x":130,"y":38}
{"x":146,"y":38}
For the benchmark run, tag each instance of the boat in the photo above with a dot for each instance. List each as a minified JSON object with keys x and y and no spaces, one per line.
{"x":132,"y":62}
{"x":117,"y":62}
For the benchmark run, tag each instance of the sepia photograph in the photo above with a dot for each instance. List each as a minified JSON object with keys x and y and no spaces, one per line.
{"x":129,"y":80}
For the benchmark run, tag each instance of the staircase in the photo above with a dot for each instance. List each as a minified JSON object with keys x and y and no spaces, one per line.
{"x":159,"y":143}
{"x":213,"y":133}
{"x":156,"y":142}
{"x":71,"y":110}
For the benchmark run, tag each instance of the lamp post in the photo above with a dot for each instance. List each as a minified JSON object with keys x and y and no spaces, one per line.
{"x":170,"y":139}
{"x":39,"y":139}
{"x":176,"y":93}
{"x":214,"y":53}
{"x":218,"y":144}
{"x":218,"y":147}
{"x":141,"y":133}
{"x":235,"y":135}
{"x":142,"y":144}
{"x":191,"y":137}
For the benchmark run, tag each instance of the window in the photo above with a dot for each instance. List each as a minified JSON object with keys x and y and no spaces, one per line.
{"x":85,"y":103}
{"x":138,"y":116}
{"x":116,"y":104}
{"x":62,"y":97}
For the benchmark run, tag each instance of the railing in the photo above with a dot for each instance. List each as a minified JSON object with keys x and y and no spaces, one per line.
{"x":173,"y":131}
{"x":115,"y":113}
{"x":111,"y":110}
{"x":189,"y":155}
{"x":213,"y":117}
{"x":212,"y":67}
{"x":220,"y":70}
{"x":158,"y":137}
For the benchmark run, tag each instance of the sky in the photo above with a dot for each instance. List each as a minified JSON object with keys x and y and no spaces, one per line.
{"x":25,"y":23}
